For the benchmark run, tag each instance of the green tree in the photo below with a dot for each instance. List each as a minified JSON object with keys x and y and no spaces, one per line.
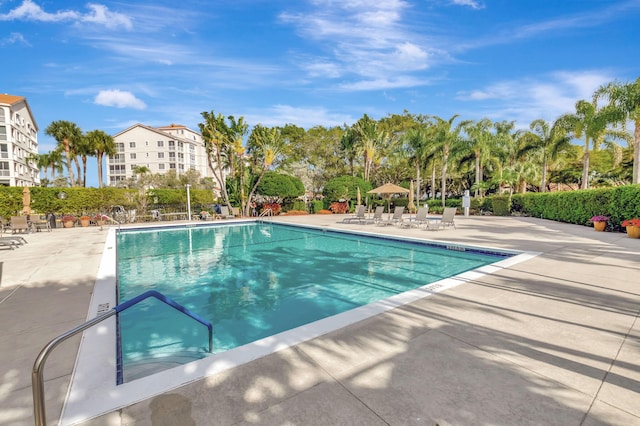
{"x":345,"y":187}
{"x":445,"y":136}
{"x":279,"y":186}
{"x":592,"y":123}
{"x":101,"y":144}
{"x":626,"y":98}
{"x":214,"y":131}
{"x":66,"y":134}
{"x":265,"y":146}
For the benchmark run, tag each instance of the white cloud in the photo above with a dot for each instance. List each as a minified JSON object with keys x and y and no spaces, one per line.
{"x":14,"y":38}
{"x":367,"y":40}
{"x":119,"y":99}
{"x":545,"y":97}
{"x":99,"y":14}
{"x":471,"y":3}
{"x":279,"y":115}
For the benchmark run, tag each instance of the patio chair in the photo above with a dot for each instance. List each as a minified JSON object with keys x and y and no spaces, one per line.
{"x":396,"y":218}
{"x":377,"y":216}
{"x":420,"y":219}
{"x":14,"y":239}
{"x":19,"y":223}
{"x":224,"y":213}
{"x":447,"y":219}
{"x":359,"y":215}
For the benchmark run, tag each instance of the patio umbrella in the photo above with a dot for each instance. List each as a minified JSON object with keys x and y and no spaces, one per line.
{"x":388,"y":189}
{"x":359,"y":197}
{"x":26,"y":200}
{"x":411,"y":206}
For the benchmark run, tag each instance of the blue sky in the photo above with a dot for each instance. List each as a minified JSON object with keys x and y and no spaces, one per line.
{"x":107,"y":64}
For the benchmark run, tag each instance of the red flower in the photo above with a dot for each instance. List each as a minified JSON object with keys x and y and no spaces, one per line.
{"x":631,"y":222}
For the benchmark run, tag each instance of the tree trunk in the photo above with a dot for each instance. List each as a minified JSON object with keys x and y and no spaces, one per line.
{"x":477,"y":191}
{"x":418,"y":185}
{"x":84,"y":171}
{"x":443,"y":184}
{"x":636,"y":153}
{"x":543,"y":186}
{"x":67,"y":153}
{"x":585,"y":169}
{"x":75,"y":159}
{"x":99,"y":156}
{"x":433,"y":181}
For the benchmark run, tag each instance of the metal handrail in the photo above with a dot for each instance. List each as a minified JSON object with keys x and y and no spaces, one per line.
{"x":266,"y":212}
{"x":37,"y":376}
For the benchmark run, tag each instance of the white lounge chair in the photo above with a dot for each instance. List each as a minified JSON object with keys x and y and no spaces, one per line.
{"x":377,"y":216}
{"x":396,"y":218}
{"x":359,"y":215}
{"x":224,"y":213}
{"x":447,"y":219}
{"x":420,"y":219}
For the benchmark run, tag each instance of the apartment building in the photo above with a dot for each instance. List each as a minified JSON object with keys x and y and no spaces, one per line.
{"x":18,"y":141}
{"x":160,"y":149}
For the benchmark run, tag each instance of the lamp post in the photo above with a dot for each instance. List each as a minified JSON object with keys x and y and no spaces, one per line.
{"x":188,"y":201}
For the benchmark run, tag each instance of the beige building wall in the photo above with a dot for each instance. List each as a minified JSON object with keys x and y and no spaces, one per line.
{"x":160,"y":149}
{"x":18,"y":141}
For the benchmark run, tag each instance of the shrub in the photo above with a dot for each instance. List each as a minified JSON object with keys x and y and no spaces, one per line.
{"x":501,"y":205}
{"x":275,"y":208}
{"x":324,"y":212}
{"x":296,"y":213}
{"x":68,"y":218}
{"x":316,"y":206}
{"x":345,"y":187}
{"x":338,"y":207}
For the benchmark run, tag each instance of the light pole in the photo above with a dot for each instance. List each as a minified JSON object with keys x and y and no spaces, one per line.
{"x":188,"y":201}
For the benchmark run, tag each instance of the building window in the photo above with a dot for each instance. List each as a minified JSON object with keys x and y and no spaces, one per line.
{"x":180,"y":145}
{"x":4,"y":150}
{"x":3,"y":133}
{"x":4,"y":168}
{"x":132,"y":144}
{"x":172,"y":165}
{"x":180,"y":156}
{"x":172,"y":144}
{"x":132,"y":156}
{"x":119,"y":147}
{"x":161,"y":155}
{"x":161,"y":166}
{"x":181,"y":167}
{"x":160,"y":144}
{"x":172,"y":156}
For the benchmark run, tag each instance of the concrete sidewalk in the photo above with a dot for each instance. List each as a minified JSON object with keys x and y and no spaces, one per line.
{"x":554,"y":340}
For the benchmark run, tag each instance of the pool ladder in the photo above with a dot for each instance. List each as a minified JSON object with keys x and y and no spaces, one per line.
{"x":37,"y":374}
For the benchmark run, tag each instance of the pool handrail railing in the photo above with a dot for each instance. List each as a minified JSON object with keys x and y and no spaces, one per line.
{"x":37,"y":376}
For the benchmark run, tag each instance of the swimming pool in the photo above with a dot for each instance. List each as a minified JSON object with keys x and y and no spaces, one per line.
{"x":93,"y":390}
{"x":254,"y":280}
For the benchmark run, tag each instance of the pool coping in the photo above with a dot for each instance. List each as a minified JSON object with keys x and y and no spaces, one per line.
{"x":93,"y":391}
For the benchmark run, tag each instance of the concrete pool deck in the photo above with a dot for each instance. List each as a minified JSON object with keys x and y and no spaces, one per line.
{"x":553,"y":340}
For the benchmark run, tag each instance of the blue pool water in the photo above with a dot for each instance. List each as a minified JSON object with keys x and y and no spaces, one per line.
{"x":254,"y":280}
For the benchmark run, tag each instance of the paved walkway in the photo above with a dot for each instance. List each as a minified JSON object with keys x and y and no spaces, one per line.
{"x":554,"y":340}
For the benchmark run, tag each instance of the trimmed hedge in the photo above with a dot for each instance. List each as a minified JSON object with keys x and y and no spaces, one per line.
{"x":579,"y":206}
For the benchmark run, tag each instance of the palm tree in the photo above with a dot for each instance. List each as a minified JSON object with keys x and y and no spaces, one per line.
{"x":235,"y":133}
{"x":102,"y":144}
{"x":444,"y":137}
{"x":265,"y":145}
{"x":418,"y":140}
{"x":66,"y":134}
{"x":592,"y":123}
{"x":626,"y":98}
{"x":548,"y":140}
{"x":349,"y":146}
{"x":216,"y":145}
{"x":83,"y":149}
{"x":371,"y":141}
{"x":479,"y":142}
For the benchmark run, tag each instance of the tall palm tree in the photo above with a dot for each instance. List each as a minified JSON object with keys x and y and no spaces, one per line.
{"x":216,"y":144}
{"x":592,"y":123}
{"x":102,"y":144}
{"x":349,"y":147}
{"x":265,"y":146}
{"x":371,"y":140}
{"x":83,"y":149}
{"x":421,"y":150}
{"x":626,"y":98}
{"x":55,"y":162}
{"x":66,"y":134}
{"x":548,"y":140}
{"x":479,"y":143}
{"x":235,"y":134}
{"x":445,"y":136}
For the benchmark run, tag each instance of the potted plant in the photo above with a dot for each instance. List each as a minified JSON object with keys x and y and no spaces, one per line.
{"x":84,"y":221}
{"x":633,"y":227}
{"x":100,"y":219}
{"x":68,"y":220}
{"x":599,"y":222}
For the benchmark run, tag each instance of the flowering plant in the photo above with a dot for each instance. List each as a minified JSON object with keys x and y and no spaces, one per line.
{"x":275,"y":208}
{"x":68,"y":218}
{"x":102,"y":217}
{"x":85,"y":218}
{"x":338,"y":207}
{"x":631,"y":222}
{"x":599,"y":218}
